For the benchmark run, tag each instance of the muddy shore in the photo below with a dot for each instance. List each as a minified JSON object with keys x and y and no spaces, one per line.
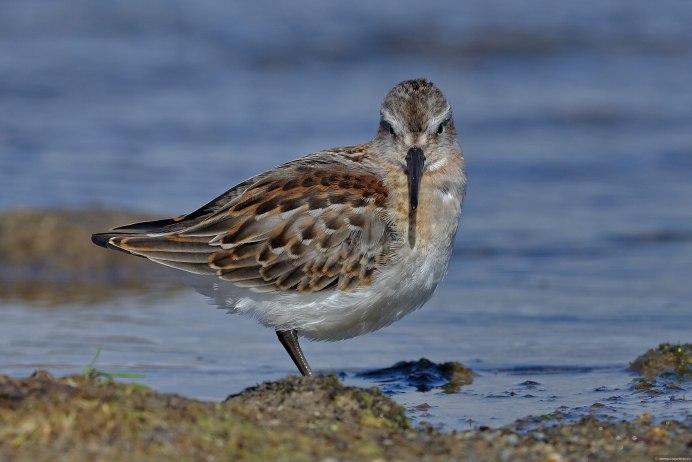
{"x":82,"y":418}
{"x":47,"y":258}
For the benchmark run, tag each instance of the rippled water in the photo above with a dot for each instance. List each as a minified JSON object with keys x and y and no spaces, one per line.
{"x":575,"y":251}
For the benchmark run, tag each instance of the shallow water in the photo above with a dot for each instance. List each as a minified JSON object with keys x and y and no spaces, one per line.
{"x":527,"y":360}
{"x":575,"y":251}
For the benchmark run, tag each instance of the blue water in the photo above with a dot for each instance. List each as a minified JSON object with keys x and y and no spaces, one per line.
{"x":575,"y":248}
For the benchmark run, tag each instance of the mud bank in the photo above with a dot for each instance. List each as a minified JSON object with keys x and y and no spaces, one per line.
{"x":83,"y":418}
{"x":46,"y":257}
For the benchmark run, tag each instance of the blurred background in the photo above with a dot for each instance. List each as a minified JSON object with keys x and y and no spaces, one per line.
{"x":575,"y":119}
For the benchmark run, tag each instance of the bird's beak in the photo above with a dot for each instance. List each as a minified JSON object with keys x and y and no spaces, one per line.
{"x":414,"y":169}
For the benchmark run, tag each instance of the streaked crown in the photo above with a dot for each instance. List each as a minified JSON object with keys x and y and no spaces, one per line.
{"x":415,"y":106}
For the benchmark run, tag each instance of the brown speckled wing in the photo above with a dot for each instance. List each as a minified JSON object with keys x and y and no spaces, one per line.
{"x":312,"y":224}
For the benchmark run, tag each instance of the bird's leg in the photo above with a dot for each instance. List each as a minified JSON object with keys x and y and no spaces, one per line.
{"x":289,"y":339}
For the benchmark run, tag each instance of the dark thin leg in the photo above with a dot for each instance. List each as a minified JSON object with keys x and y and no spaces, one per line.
{"x":289,"y":339}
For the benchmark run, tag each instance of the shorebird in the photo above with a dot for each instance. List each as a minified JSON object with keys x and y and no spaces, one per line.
{"x":334,"y":244}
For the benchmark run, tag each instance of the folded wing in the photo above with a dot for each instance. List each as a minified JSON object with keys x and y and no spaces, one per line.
{"x":310,"y":225}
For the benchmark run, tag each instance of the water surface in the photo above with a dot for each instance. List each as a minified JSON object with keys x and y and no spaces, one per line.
{"x":575,"y":250}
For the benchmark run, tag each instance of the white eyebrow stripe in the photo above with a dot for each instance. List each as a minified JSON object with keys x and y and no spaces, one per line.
{"x":388,"y":117}
{"x":433,"y":122}
{"x":436,"y":121}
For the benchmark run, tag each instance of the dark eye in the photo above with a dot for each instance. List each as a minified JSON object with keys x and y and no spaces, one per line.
{"x":386,"y":126}
{"x":442,"y":126}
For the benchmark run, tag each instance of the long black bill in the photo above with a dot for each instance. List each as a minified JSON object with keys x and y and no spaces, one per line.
{"x":415,"y":160}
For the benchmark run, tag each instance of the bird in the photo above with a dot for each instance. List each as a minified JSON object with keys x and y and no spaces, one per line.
{"x":334,"y":244}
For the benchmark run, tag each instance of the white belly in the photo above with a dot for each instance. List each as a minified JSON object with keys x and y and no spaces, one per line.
{"x":396,"y":292}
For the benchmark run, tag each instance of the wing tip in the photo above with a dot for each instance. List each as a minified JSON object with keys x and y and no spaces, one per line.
{"x":102,"y":239}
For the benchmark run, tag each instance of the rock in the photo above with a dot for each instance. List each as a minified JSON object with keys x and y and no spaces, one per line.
{"x":314,"y":418}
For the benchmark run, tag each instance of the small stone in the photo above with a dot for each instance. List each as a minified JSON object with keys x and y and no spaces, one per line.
{"x":553,"y":457}
{"x":538,"y":435}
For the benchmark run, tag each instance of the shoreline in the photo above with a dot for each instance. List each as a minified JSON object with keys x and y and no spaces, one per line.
{"x":48,"y":259}
{"x":295,"y":418}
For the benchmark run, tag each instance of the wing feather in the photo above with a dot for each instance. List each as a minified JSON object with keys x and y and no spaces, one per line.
{"x":316,"y":223}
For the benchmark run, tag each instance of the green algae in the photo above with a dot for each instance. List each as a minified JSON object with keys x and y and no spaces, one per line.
{"x":458,"y":376}
{"x":83,"y":418}
{"x":664,"y":370}
{"x":43,"y":415}
{"x":669,"y":359}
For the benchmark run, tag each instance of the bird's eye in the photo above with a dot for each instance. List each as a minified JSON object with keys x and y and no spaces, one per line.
{"x":386,"y":126}
{"x":442,"y":126}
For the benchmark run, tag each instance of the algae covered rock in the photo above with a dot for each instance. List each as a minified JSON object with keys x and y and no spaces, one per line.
{"x":669,"y":359}
{"x":423,"y":375}
{"x":82,"y":418}
{"x":78,"y":418}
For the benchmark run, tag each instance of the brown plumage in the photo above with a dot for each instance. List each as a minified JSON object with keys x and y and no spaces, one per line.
{"x":331,"y":245}
{"x":293,"y":229}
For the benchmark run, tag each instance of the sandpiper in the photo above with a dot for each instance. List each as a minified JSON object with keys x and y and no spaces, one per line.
{"x":331,"y":245}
